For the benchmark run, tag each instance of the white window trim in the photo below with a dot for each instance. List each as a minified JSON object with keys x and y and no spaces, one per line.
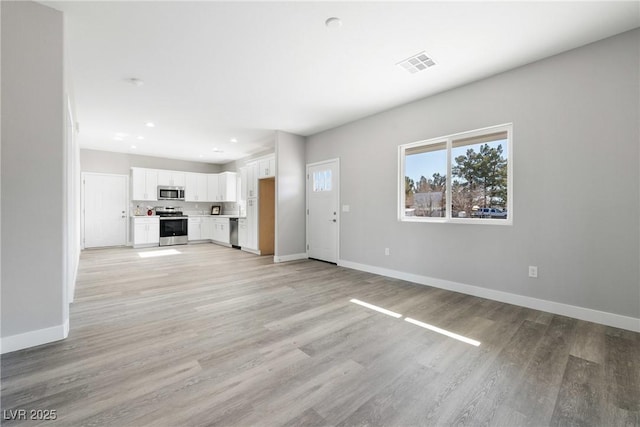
{"x":507,"y":127}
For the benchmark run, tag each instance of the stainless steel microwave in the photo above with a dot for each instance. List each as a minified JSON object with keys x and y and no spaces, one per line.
{"x":170,"y":193}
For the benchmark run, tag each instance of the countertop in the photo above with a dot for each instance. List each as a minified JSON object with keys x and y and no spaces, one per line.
{"x":190,"y":216}
{"x":213,"y":216}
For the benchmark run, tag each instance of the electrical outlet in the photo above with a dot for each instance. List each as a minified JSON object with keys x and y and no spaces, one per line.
{"x":386,"y":251}
{"x":533,"y":271}
{"x":346,"y":208}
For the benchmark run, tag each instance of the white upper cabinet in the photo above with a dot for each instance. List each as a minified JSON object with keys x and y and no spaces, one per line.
{"x":222,"y":187}
{"x":196,"y":187}
{"x":212,"y":188}
{"x":144,"y":184}
{"x":171,"y":178}
{"x":267,"y":167}
{"x":227,"y":186}
{"x":252,"y":180}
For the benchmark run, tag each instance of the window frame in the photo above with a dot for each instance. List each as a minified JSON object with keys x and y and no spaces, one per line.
{"x":507,"y":127}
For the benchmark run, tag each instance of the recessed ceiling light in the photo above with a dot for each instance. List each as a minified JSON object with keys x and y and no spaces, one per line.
{"x":217,"y":150}
{"x":117,"y":138}
{"x":333,"y":22}
{"x":417,"y":62}
{"x":140,"y":138}
{"x":234,"y":140}
{"x":201,"y":155}
{"x":150,"y":124}
{"x":121,"y":134}
{"x":134,"y":147}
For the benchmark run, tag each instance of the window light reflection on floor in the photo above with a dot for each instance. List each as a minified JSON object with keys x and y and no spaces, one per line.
{"x":163,"y":252}
{"x":416,"y":322}
{"x":442,"y":331}
{"x":376,"y":308}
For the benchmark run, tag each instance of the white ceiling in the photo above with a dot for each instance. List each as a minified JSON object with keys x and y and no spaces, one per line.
{"x":213,"y":71}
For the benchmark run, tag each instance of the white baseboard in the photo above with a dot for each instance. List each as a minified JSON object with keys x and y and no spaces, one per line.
{"x":251,"y":251}
{"x":590,"y":315}
{"x":34,"y":338}
{"x":292,"y":257}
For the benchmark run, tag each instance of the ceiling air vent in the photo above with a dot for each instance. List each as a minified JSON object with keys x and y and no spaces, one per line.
{"x":417,"y":63}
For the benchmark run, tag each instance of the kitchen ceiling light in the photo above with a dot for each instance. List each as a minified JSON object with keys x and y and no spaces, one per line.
{"x":234,"y":140}
{"x":417,"y":62}
{"x":140,"y":138}
{"x":133,"y":147}
{"x":333,"y":22}
{"x":150,"y":124}
{"x":117,"y":138}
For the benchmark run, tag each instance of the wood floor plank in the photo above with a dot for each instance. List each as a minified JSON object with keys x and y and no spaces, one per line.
{"x":581,"y":395}
{"x":216,"y":336}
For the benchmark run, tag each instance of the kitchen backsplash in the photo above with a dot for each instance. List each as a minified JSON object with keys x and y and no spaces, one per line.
{"x":188,"y":208}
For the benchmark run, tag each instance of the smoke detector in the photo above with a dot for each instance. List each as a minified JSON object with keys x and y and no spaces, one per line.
{"x":418,"y":62}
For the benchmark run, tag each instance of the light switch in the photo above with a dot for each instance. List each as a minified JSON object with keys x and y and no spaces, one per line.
{"x":345,"y":208}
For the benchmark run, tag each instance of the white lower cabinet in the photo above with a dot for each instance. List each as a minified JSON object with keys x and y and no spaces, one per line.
{"x":221,"y":230}
{"x":252,"y":225}
{"x":207,"y":228}
{"x":194,"y":228}
{"x":146,"y":231}
{"x":242,"y":232}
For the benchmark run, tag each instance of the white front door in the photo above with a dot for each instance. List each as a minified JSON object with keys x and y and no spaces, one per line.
{"x":323,"y":199}
{"x":105,"y":210}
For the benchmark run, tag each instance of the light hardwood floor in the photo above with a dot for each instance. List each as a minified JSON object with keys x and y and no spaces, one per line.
{"x":216,"y":336}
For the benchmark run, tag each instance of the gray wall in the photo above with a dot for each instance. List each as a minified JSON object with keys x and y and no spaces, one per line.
{"x":290,"y":194}
{"x":33,"y":119}
{"x":121,"y":163}
{"x":576,"y":181}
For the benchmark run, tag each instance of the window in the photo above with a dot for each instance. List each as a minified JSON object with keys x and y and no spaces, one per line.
{"x":464,"y":178}
{"x":322,"y":180}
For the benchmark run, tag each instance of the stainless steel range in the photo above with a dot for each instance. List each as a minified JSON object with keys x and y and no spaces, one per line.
{"x":173,"y":226}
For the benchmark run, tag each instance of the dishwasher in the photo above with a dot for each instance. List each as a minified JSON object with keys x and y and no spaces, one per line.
{"x":233,"y":232}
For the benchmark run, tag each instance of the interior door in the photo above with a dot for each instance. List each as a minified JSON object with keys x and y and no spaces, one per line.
{"x":323,"y":198}
{"x":105,"y":210}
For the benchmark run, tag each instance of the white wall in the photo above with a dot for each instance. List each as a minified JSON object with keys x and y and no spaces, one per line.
{"x":290,"y":196}
{"x":576,"y":186}
{"x":121,"y":163}
{"x":34,"y":295}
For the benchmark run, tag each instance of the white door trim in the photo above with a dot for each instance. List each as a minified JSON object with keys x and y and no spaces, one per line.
{"x":339,"y":216}
{"x":83,"y":198}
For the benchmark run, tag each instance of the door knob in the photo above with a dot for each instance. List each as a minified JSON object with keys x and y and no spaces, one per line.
{"x":334,"y":220}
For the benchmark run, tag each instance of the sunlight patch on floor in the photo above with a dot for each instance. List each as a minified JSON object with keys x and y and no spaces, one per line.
{"x":442,"y":331}
{"x":162,"y":252}
{"x":376,"y":308}
{"x":416,"y":322}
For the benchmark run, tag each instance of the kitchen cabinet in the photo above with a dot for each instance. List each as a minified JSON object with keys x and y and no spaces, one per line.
{"x":267,"y":167}
{"x":146,"y":231}
{"x":171,"y":178}
{"x":222,"y":187}
{"x":252,"y":224}
{"x":227,"y":186}
{"x":213,"y":195}
{"x":207,"y":228}
{"x":196,"y":187}
{"x":221,"y":230}
{"x":144,"y":184}
{"x":200,"y":228}
{"x":242,"y":191}
{"x":194,"y":228}
{"x":242,"y":232}
{"x":252,"y":180}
